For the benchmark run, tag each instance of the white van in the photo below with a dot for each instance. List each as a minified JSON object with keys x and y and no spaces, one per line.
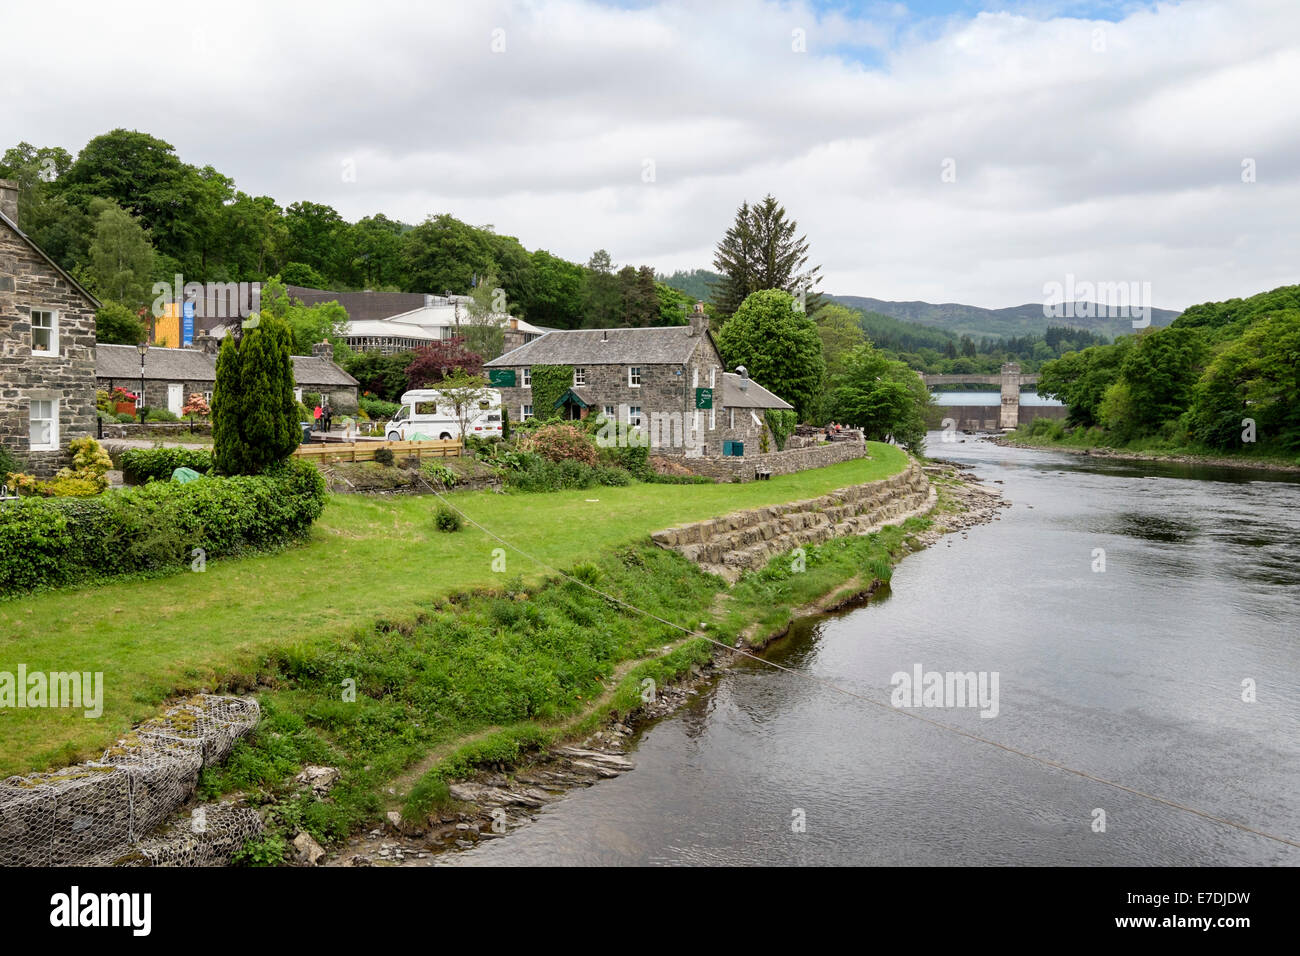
{"x":427,"y":413}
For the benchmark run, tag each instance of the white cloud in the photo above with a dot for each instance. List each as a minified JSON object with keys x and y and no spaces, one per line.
{"x":1114,"y":163}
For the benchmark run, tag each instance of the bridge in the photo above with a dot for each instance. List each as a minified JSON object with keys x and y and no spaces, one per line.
{"x":1008,"y":413}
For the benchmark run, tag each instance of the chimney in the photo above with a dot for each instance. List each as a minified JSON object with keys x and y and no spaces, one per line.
{"x":323,"y":350}
{"x":207,"y":343}
{"x":744,"y":377}
{"x":699,"y":321}
{"x":9,"y":199}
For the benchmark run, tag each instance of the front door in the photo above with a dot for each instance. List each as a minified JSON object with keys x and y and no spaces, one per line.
{"x":175,"y":399}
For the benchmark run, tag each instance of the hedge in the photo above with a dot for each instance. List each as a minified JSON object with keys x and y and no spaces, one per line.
{"x":142,"y":464}
{"x":48,"y":542}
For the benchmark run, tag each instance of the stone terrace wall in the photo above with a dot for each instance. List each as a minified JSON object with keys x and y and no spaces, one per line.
{"x":777,"y":462}
{"x":747,"y":540}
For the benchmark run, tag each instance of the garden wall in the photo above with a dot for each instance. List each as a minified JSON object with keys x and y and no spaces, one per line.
{"x":777,"y":462}
{"x":155,"y":430}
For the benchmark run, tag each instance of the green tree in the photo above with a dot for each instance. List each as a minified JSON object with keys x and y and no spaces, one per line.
{"x":779,"y":347}
{"x":121,"y":256}
{"x":554,"y":299}
{"x":601,"y":298}
{"x":115,"y":324}
{"x":1080,"y":379}
{"x":1160,"y":372}
{"x":443,"y":254}
{"x":315,"y":237}
{"x":762,"y":250}
{"x":254,"y":412}
{"x":884,"y":398}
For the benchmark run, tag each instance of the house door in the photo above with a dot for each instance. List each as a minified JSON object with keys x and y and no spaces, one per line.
{"x":175,"y":399}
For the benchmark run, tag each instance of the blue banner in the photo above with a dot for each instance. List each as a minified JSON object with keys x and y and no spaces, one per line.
{"x":187,"y":324}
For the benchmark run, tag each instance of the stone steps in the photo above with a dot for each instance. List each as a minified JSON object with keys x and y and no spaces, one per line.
{"x":746,"y":540}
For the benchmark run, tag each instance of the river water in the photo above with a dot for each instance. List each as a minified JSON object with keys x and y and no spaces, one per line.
{"x":1134,"y":674}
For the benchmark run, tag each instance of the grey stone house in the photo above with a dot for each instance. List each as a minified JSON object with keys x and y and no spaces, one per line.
{"x":47,"y":350}
{"x":668,"y":381}
{"x":171,"y":376}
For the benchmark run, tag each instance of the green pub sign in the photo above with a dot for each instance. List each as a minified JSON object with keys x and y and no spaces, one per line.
{"x":704,"y":398}
{"x":501,"y":377}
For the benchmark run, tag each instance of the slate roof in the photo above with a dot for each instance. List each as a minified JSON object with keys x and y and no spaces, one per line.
{"x":123,"y":361}
{"x":195,"y":365}
{"x":94,"y":303}
{"x":666,"y":345}
{"x":309,"y":370}
{"x":755,"y":396}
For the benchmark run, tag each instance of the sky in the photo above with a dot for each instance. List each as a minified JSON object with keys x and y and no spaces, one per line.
{"x":942,"y":150}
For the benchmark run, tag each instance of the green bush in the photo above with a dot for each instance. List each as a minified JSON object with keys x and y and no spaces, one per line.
{"x":384,"y":456}
{"x":160,"y":415}
{"x":124,"y":418}
{"x":47,"y":542}
{"x":445,"y":519}
{"x":8,"y":463}
{"x":145,"y":464}
{"x":561,"y":442}
{"x":377,"y":409}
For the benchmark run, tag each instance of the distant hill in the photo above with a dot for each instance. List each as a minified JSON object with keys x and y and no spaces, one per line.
{"x":696,"y":283}
{"x":1016,"y":320}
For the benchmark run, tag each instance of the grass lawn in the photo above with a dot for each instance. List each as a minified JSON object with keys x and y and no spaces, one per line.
{"x":367,"y":559}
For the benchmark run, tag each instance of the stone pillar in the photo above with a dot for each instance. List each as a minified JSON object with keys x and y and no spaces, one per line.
{"x":1010,"y":417}
{"x":9,"y":199}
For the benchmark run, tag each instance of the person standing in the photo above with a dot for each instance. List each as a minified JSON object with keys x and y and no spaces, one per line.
{"x":316,"y":415}
{"x":328,"y":415}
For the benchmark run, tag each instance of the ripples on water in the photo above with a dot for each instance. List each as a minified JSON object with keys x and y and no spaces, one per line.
{"x":1134,"y":674}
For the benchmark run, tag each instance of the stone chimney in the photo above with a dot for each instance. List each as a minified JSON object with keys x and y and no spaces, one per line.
{"x":9,"y":199}
{"x":206,"y":342}
{"x":323,"y":350}
{"x":699,"y":321}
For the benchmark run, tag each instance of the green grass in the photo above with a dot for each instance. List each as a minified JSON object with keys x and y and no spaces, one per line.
{"x":367,"y":560}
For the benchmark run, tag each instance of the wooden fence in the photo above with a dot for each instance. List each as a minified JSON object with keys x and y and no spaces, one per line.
{"x":365,"y":450}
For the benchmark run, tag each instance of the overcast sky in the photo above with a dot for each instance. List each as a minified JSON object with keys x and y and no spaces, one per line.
{"x":1104,"y":139}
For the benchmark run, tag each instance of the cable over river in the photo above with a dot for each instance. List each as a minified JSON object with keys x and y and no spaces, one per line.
{"x":1136,"y":621}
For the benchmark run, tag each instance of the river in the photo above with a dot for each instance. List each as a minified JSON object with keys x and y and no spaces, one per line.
{"x":1134,"y":674}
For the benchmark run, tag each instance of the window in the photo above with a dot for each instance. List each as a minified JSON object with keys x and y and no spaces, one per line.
{"x":44,"y":432}
{"x":634,"y":416}
{"x":207,"y":396}
{"x":297,"y":395}
{"x":579,"y":377}
{"x":525,"y":413}
{"x":45,"y":332}
{"x":611,"y":413}
{"x":526,"y":376}
{"x":634,"y":376}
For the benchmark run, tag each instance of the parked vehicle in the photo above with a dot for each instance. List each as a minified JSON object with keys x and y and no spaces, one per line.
{"x":427,"y":413}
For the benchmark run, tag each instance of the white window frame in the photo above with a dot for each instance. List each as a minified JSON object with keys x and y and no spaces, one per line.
{"x":53,"y":443}
{"x":579,"y":377}
{"x":732,"y":420}
{"x":526,"y":376}
{"x":53,"y":330}
{"x":611,"y":412}
{"x":634,"y":416}
{"x":525,"y":412}
{"x":297,"y":394}
{"x":634,"y":376}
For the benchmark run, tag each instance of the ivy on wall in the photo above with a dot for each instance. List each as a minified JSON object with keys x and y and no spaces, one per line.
{"x":781,"y":424}
{"x":549,"y":383}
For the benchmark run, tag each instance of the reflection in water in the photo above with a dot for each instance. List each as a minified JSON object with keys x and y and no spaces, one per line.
{"x":1134,"y":674}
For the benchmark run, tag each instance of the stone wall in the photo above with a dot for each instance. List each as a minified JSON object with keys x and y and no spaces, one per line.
{"x":777,"y":462}
{"x":160,"y":431}
{"x":28,"y":282}
{"x":748,"y":540}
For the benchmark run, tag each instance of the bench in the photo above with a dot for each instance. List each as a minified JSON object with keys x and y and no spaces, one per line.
{"x":762,"y":475}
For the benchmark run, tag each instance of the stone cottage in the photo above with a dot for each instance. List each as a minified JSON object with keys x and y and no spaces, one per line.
{"x":47,"y":350}
{"x":667,"y":381}
{"x":171,"y":376}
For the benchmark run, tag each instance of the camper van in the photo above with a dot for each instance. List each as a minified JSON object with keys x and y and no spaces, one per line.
{"x":426,"y":413}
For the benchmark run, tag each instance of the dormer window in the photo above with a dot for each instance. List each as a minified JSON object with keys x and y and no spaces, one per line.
{"x":45,"y":332}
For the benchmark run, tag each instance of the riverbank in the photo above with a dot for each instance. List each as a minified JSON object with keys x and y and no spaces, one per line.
{"x":507,"y":795}
{"x":1119,"y":454}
